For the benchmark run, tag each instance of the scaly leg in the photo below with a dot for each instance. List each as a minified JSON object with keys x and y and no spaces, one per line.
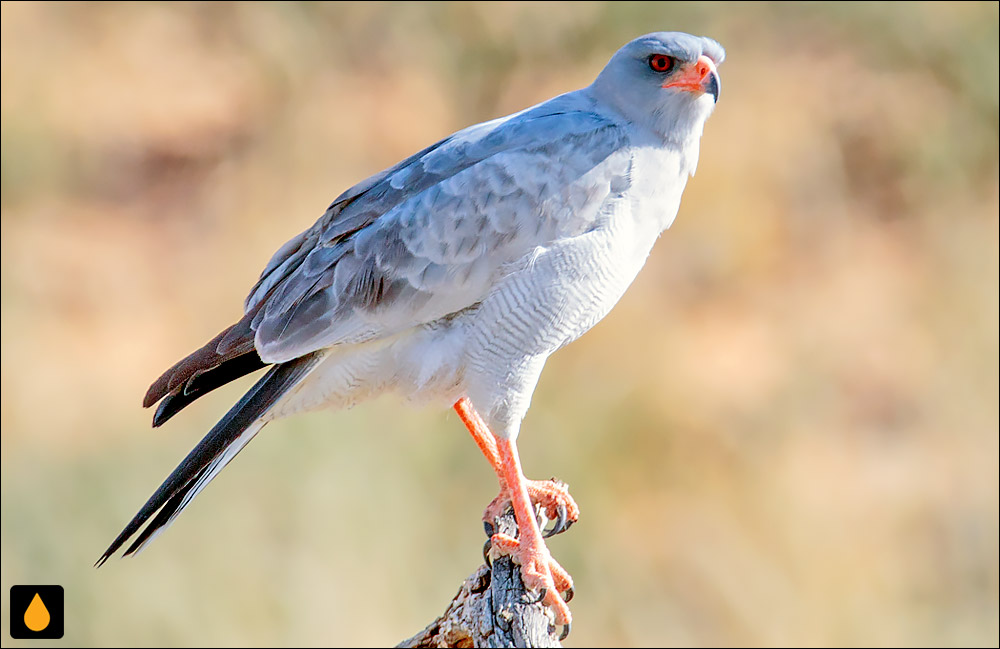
{"x":552,"y":495}
{"x":538,"y":569}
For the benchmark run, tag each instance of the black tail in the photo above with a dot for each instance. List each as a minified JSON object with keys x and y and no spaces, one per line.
{"x":221,"y":445}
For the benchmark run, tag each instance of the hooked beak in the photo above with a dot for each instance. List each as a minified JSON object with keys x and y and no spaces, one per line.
{"x":700,"y":77}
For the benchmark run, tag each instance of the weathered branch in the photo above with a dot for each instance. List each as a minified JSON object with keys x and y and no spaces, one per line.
{"x":492,"y":609}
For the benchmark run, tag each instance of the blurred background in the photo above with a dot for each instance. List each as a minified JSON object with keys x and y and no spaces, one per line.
{"x":785,"y":434}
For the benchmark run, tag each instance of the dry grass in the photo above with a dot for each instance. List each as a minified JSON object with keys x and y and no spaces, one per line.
{"x":786,"y":433}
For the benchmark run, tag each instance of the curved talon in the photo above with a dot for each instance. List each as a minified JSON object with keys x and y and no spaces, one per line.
{"x":486,"y":552}
{"x":568,"y":595}
{"x":565,"y":632}
{"x":562,"y":518}
{"x":561,"y":524}
{"x":541,"y":596}
{"x":490,"y":529}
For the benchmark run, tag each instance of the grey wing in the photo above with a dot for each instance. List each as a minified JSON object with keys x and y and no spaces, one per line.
{"x":428,"y":237}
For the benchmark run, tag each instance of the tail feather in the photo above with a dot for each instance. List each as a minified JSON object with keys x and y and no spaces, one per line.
{"x":227,"y":357}
{"x":230,"y":343}
{"x":204,"y":382}
{"x":210,"y":456}
{"x":180,"y":500}
{"x":163,"y":518}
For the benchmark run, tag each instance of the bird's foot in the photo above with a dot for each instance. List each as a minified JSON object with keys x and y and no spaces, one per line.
{"x":551,"y":496}
{"x":540,"y":572}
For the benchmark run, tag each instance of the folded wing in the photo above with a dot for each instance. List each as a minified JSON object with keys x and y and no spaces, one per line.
{"x":414,"y":243}
{"x":428,"y":237}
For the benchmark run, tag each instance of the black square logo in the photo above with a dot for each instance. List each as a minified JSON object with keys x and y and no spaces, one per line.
{"x":36,"y":612}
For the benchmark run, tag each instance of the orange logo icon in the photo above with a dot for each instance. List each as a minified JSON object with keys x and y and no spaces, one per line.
{"x":36,"y":612}
{"x":37,"y":616}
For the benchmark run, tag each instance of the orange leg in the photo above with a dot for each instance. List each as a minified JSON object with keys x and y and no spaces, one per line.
{"x":538,"y":569}
{"x":552,"y":495}
{"x":481,"y":433}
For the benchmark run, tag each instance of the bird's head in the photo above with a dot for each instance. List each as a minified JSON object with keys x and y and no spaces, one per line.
{"x":667,"y":81}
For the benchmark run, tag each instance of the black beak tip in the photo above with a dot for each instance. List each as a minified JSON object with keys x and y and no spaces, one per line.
{"x":712,"y":85}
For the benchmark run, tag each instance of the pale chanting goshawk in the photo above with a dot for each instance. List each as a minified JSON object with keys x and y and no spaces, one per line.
{"x":453,"y":275}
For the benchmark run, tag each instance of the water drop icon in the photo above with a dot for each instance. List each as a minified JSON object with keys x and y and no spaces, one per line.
{"x":36,"y":617}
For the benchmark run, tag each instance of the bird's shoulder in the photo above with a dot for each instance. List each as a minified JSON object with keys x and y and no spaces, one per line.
{"x":422,"y":238}
{"x":538,"y":129}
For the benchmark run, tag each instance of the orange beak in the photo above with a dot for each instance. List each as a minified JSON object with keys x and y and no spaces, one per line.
{"x":700,"y":77}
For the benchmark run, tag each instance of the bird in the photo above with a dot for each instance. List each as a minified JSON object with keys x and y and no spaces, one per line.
{"x":452,"y":276}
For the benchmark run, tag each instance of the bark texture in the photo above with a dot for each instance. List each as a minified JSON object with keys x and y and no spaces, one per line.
{"x":492,"y":609}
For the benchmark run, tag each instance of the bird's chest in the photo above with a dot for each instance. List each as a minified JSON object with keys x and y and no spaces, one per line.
{"x":604,"y":263}
{"x":636,"y":218}
{"x":558,"y":291}
{"x":658,"y":177}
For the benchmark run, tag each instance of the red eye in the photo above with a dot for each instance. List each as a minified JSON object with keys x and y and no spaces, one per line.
{"x":660,"y":63}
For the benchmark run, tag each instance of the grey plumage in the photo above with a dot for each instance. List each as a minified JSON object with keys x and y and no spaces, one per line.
{"x":428,"y":238}
{"x":458,"y":271}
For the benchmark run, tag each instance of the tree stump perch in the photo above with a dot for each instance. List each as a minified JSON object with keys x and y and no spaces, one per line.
{"x":492,"y":609}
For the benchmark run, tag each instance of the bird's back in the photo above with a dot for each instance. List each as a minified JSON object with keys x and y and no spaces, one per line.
{"x":431,"y":236}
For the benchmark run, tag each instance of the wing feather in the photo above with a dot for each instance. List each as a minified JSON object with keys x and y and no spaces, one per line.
{"x":428,"y":237}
